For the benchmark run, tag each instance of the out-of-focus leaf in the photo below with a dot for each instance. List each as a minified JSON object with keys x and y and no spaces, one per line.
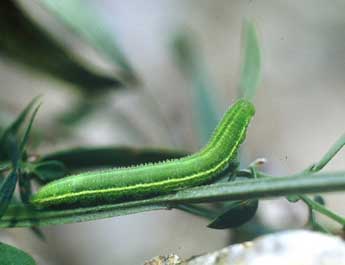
{"x":82,"y":158}
{"x":11,"y":150}
{"x":190,"y":61}
{"x":82,"y":17}
{"x":10,"y":255}
{"x":81,"y":109}
{"x":251,"y":67}
{"x":20,"y":216}
{"x":237,"y":214}
{"x":49,"y":170}
{"x":23,"y":41}
{"x":6,"y":191}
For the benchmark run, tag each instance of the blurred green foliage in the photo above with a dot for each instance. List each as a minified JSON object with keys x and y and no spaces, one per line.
{"x":23,"y":41}
{"x":81,"y":16}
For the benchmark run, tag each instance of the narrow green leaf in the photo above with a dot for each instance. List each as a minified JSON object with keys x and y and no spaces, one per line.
{"x":11,"y":148}
{"x":10,"y":255}
{"x":6,"y":191}
{"x":339,"y":144}
{"x":237,"y":214}
{"x":19,"y":121}
{"x":49,"y":170}
{"x":251,"y":68}
{"x":204,"y":103}
{"x":28,"y":129}
{"x":99,"y":157}
{"x":19,"y":216}
{"x":81,"y":109}
{"x":25,"y":42}
{"x":11,"y":132}
{"x":82,"y":17}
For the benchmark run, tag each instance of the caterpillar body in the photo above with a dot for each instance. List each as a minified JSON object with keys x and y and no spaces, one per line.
{"x":139,"y":182}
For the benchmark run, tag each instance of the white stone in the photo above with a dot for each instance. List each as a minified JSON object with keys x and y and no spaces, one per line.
{"x":297,"y":247}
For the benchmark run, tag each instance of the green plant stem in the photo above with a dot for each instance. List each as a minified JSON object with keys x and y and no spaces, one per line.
{"x":322,"y":209}
{"x":336,"y":147}
{"x":237,"y":190}
{"x":321,"y":228}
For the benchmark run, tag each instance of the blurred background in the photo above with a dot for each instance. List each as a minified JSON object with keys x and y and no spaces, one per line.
{"x":109,"y":75}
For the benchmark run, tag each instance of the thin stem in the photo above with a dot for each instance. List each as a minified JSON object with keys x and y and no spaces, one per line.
{"x":320,"y":228}
{"x":336,"y":147}
{"x":323,"y":210}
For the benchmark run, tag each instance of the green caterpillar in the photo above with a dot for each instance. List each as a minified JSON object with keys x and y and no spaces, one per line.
{"x":138,"y":182}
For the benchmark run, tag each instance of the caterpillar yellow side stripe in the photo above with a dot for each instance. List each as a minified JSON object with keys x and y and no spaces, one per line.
{"x":138,"y":182}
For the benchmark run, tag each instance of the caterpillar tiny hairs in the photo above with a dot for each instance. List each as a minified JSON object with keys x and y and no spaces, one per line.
{"x":139,"y":182}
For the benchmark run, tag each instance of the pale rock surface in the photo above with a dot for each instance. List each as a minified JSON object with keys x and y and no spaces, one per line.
{"x":296,"y":247}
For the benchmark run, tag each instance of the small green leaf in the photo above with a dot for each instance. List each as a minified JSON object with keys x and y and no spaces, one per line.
{"x":237,"y":214}
{"x":10,"y":255}
{"x":98,"y":157}
{"x":49,"y":170}
{"x":11,"y":132}
{"x":25,"y":139}
{"x":15,"y":125}
{"x":6,"y":191}
{"x":251,"y":68}
{"x":11,"y":148}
